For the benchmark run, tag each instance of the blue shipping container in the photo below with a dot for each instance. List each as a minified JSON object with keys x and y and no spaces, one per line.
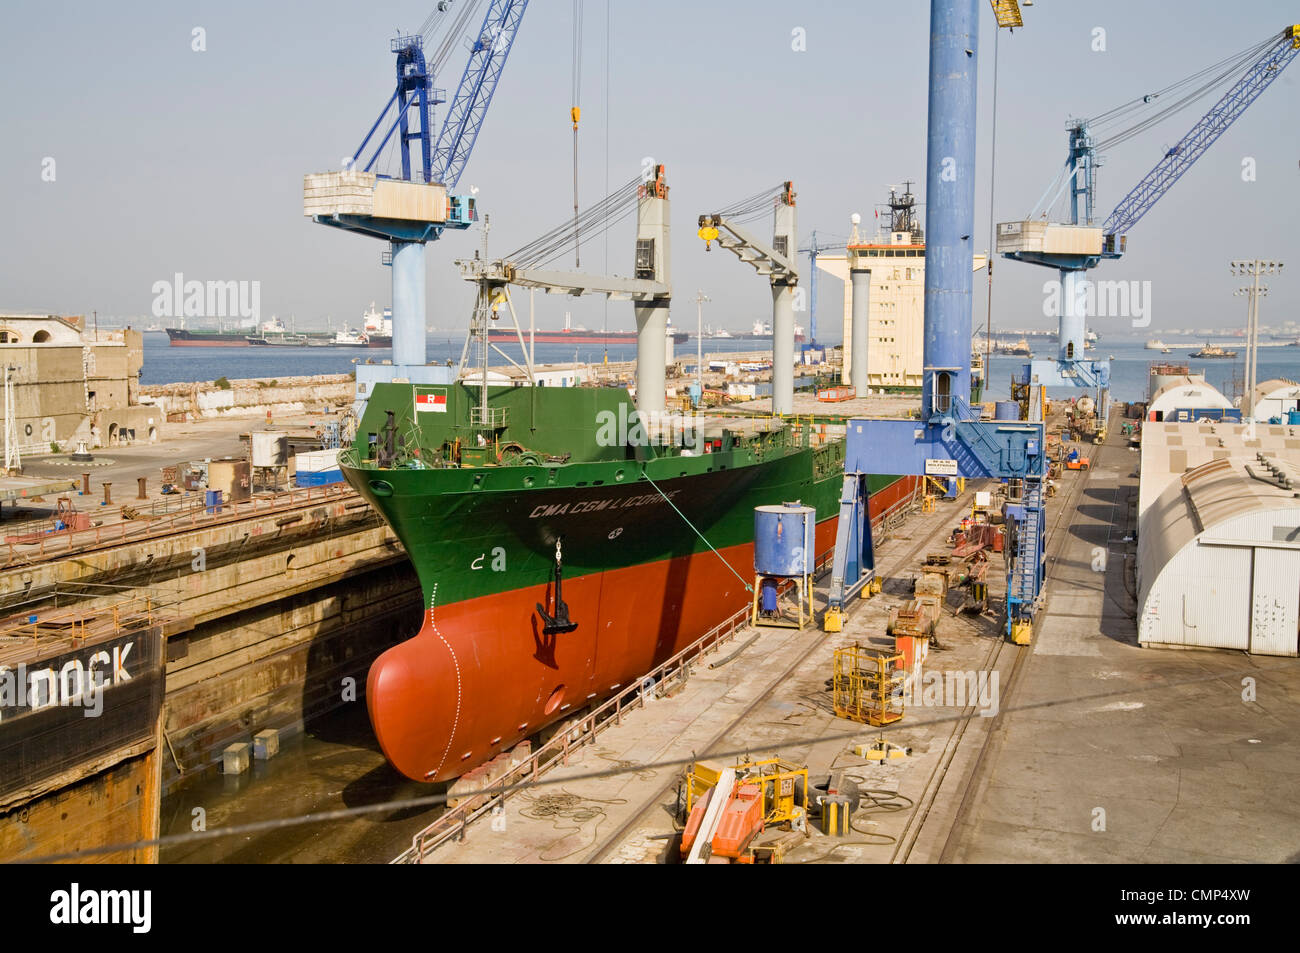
{"x":320,"y":478}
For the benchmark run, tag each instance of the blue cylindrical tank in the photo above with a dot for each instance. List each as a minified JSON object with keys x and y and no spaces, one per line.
{"x":1293,"y":416}
{"x":1006,"y":410}
{"x":784,"y":539}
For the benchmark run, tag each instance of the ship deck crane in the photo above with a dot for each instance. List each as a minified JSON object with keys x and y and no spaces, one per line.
{"x":417,"y":207}
{"x":776,"y":262}
{"x":1076,"y":247}
{"x":649,"y":288}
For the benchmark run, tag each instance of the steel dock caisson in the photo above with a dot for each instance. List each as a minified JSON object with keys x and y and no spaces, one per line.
{"x":555,"y":504}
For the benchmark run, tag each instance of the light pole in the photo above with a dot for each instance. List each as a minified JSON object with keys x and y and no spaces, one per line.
{"x":1252,"y":268}
{"x":700,"y":298}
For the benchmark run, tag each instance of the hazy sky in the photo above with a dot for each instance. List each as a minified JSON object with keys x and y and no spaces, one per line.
{"x":170,"y":160}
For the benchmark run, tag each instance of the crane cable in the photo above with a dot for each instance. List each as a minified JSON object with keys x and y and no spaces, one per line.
{"x":609,"y":16}
{"x":575,"y":113}
{"x":459,"y":25}
{"x":1210,"y":78}
{"x":752,"y":207}
{"x":594,"y":221}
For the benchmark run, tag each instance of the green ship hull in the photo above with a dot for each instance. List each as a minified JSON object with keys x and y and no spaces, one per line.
{"x":652,"y":532}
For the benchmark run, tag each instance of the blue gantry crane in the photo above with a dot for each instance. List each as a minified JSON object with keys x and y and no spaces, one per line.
{"x":1077,"y":246}
{"x":949,"y":439}
{"x":412,"y":209}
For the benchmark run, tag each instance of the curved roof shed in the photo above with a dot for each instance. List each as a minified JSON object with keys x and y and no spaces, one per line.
{"x":1219,"y":559}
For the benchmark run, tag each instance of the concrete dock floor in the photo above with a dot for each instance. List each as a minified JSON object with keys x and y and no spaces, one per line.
{"x":1109,"y":752}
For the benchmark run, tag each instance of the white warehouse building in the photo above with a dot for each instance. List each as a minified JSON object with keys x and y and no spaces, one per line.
{"x":1219,"y":543}
{"x":1190,"y":393}
{"x":1275,"y":399}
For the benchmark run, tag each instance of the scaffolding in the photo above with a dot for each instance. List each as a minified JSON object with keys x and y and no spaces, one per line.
{"x":867,"y":686}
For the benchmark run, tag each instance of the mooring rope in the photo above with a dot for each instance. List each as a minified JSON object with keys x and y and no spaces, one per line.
{"x":748,"y":587}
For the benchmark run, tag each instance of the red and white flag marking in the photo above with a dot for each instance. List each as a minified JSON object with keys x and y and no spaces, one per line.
{"x":436,"y":403}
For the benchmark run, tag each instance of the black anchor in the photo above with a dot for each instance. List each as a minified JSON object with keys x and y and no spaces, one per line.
{"x":560,"y":622}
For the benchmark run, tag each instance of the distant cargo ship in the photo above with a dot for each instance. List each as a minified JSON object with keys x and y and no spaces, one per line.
{"x":571,"y":335}
{"x":182,"y":337}
{"x":378,"y":327}
{"x":1019,"y":349}
{"x":763,"y":329}
{"x":1155,"y":344}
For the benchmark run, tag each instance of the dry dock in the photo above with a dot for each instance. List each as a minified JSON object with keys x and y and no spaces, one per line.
{"x":1086,"y":748}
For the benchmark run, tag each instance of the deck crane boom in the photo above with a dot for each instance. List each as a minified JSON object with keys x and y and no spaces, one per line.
{"x":415,"y":208}
{"x":1076,"y":247}
{"x":532,"y":266}
{"x":777,"y":262}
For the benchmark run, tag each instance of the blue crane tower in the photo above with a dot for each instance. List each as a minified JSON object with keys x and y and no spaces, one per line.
{"x":1075,"y":247}
{"x":411,"y":210}
{"x":948,"y":439}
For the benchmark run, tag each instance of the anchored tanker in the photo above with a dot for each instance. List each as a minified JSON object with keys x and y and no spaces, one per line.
{"x":560,"y":557}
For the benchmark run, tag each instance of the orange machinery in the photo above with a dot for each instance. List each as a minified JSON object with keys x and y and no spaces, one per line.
{"x":756,"y":795}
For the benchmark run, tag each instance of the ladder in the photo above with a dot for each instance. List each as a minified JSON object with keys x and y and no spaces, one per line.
{"x":1025,"y":576}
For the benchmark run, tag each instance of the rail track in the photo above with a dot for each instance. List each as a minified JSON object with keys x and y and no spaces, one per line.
{"x":891,"y":565}
{"x":1003,"y":656}
{"x":973,"y":783}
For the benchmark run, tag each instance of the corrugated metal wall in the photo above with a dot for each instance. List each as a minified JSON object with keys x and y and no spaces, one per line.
{"x":1215,"y":581}
{"x":1275,"y":602}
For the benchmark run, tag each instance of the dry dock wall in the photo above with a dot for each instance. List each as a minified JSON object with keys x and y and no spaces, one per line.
{"x":285,"y":602}
{"x":251,"y":397}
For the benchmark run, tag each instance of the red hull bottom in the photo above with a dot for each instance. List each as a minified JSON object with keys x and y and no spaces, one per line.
{"x":480,"y":676}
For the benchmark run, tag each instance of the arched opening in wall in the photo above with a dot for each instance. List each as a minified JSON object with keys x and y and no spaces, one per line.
{"x":112,"y":434}
{"x":153,"y":434}
{"x":40,"y":337}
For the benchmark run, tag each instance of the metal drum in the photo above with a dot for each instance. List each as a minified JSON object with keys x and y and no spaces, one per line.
{"x":1006,"y":410}
{"x":785,"y":539}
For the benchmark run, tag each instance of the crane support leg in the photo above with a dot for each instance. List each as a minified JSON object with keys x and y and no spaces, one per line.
{"x":854,"y":568}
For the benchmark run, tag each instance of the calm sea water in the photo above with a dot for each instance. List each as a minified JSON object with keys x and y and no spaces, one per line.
{"x":1130,"y":360}
{"x":164,"y":364}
